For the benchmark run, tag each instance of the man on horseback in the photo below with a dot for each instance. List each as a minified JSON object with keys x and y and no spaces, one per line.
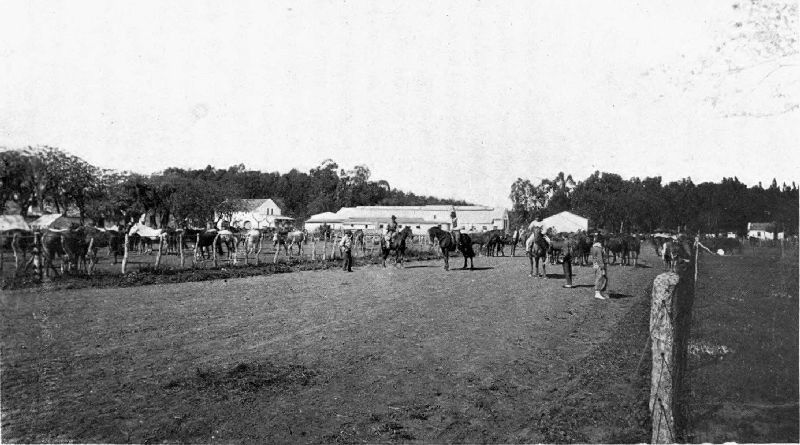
{"x":391,"y":231}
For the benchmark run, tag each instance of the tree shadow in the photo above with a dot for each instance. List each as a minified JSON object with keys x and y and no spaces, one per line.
{"x":422,"y":266}
{"x":615,"y":296}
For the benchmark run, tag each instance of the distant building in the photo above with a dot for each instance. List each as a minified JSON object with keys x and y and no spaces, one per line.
{"x":764,"y":231}
{"x":257,"y":214}
{"x":419,"y":218}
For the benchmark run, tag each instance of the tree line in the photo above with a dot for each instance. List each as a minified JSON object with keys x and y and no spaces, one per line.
{"x":647,"y":205}
{"x":47,"y":178}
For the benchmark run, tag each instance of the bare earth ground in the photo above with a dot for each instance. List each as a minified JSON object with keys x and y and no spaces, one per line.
{"x":379,"y":355}
{"x":742,"y":374}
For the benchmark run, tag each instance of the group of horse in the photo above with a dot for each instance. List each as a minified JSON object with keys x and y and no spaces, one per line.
{"x":77,"y":246}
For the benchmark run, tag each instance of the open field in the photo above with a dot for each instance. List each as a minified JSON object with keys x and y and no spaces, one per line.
{"x":413,"y":354}
{"x":742,"y":373}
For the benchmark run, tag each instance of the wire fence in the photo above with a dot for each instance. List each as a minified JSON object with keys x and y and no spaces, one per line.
{"x":22,"y":254}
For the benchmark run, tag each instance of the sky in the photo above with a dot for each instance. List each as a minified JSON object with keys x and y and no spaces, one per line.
{"x":455,"y":99}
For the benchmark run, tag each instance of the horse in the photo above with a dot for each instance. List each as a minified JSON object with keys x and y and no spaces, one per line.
{"x":297,"y":238}
{"x":97,"y":238}
{"x":147,"y":235}
{"x":634,"y":247}
{"x":617,"y":245}
{"x":447,"y":245}
{"x":669,"y":254}
{"x":485,"y":239}
{"x":583,"y":247}
{"x":536,"y":246}
{"x":358,"y":241}
{"x":69,"y":244}
{"x":398,"y":244}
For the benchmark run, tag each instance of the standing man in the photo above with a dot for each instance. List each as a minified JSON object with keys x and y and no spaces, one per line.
{"x":454,"y":227}
{"x":347,"y":251}
{"x":567,"y":264}
{"x":600,"y":271}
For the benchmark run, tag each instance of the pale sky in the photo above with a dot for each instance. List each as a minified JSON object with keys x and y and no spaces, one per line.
{"x":452,"y":99}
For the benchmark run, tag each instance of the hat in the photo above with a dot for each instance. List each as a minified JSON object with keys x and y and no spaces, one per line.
{"x":393,"y":217}
{"x":348,"y":232}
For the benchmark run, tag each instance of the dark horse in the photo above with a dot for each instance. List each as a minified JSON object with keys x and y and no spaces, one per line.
{"x":536,"y":247}
{"x":398,"y":244}
{"x":447,"y":246}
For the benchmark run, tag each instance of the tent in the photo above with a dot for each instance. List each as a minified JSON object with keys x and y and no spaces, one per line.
{"x":54,"y":221}
{"x":563,"y":222}
{"x":13,"y":222}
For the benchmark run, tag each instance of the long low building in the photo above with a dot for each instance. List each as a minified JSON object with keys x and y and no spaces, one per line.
{"x":419,"y":218}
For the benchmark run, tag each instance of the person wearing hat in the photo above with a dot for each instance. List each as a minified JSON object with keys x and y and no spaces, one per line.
{"x":391,"y":228}
{"x":454,"y":233}
{"x":346,"y":244}
{"x":600,"y":267}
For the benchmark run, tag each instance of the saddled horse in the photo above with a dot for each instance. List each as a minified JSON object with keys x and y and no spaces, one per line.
{"x":447,"y":245}
{"x":536,"y":246}
{"x":397,"y":244}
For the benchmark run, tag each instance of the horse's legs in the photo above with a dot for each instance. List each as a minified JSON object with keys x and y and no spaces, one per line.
{"x":446,"y":255}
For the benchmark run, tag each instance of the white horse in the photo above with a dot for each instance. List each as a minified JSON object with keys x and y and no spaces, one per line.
{"x":147,"y":234}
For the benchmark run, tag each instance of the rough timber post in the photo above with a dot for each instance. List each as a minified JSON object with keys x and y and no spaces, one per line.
{"x":180,"y":250}
{"x":14,"y":241}
{"x":125,"y":254}
{"x":258,"y":252}
{"x":160,"y":247}
{"x":214,"y":249}
{"x":196,"y":247}
{"x":662,"y":336}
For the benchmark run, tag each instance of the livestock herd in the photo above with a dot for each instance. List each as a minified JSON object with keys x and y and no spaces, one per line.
{"x":78,"y":246}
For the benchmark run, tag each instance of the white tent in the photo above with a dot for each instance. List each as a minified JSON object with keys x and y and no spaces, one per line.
{"x":13,"y":222}
{"x":563,"y":222}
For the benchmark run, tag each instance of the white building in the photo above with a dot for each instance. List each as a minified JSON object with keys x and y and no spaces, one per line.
{"x":419,"y":218}
{"x":765,"y":231}
{"x":256,"y":214}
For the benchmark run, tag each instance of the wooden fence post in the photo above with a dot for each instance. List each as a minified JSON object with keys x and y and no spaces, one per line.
{"x":313,"y":249}
{"x":214,"y":249}
{"x":125,"y":254}
{"x":260,"y":244}
{"x":14,"y":241}
{"x":160,"y":247}
{"x":196,"y":247}
{"x":180,"y":250}
{"x":92,"y":258}
{"x":662,"y":336}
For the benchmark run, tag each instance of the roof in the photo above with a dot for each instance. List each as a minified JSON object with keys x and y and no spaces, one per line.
{"x":13,"y":222}
{"x":54,"y":221}
{"x":563,"y":222}
{"x":762,"y":226}
{"x":252,"y":204}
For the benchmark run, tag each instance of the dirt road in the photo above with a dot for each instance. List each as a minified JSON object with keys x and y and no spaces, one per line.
{"x":411,"y":354}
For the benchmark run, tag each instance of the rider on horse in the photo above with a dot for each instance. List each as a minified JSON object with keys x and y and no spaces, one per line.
{"x":454,"y":232}
{"x":391,"y":231}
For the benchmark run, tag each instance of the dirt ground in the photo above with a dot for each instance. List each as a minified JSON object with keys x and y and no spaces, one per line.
{"x":742,"y":373}
{"x":413,"y":354}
